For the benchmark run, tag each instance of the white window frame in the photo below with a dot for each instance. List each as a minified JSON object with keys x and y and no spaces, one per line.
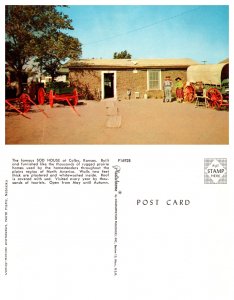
{"x":160,"y":76}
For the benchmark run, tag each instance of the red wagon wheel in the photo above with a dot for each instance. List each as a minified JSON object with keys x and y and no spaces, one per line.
{"x":189,"y":93}
{"x":41,"y":95}
{"x":215,"y":97}
{"x":24,"y":103}
{"x":51,"y":98}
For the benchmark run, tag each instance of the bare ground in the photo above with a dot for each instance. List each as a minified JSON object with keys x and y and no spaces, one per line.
{"x":147,"y":121}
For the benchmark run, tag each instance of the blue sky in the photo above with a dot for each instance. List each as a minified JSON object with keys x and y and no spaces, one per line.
{"x":152,"y":31}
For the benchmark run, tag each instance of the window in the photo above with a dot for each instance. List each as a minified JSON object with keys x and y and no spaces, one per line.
{"x":154,"y":79}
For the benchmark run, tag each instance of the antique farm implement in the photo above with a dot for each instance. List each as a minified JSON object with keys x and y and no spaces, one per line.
{"x":209,"y":82}
{"x":59,"y":93}
{"x":218,"y":97}
{"x":22,"y":105}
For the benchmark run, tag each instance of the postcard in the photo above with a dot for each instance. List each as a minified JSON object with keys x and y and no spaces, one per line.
{"x":116,"y":142}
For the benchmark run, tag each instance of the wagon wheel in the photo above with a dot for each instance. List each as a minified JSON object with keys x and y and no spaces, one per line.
{"x":51,"y":98}
{"x":24,"y":103}
{"x":189,"y":93}
{"x":215,"y":98}
{"x":41,"y":96}
{"x":75,"y":94}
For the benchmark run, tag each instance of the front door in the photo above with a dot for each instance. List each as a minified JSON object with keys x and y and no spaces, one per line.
{"x":108,"y":85}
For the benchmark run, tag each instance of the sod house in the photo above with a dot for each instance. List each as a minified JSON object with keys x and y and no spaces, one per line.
{"x":125,"y":78}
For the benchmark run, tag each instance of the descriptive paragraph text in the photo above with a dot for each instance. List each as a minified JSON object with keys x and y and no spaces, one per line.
{"x":60,"y":171}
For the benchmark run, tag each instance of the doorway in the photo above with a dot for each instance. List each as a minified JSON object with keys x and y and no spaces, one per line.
{"x":108,"y":84}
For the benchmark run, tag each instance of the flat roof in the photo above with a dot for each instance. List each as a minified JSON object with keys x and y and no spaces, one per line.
{"x":131,"y":63}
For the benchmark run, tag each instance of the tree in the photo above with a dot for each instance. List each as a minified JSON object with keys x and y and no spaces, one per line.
{"x":36,"y":32}
{"x":56,"y":49}
{"x":122,"y":54}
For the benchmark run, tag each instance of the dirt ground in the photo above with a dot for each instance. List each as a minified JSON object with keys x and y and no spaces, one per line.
{"x":143,"y":121}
